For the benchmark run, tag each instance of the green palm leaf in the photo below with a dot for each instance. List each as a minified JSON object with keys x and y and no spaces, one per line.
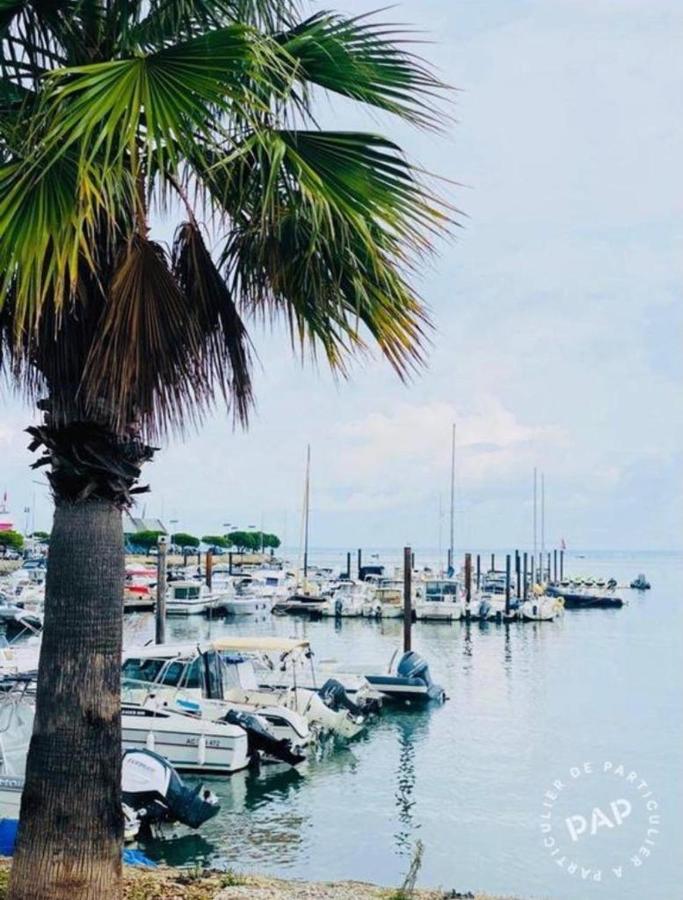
{"x":365,"y":61}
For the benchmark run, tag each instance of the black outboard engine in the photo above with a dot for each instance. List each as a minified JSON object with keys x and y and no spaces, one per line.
{"x":334,"y":695}
{"x":338,"y":607}
{"x":154,"y":790}
{"x":411,"y":665}
{"x":261,"y":740}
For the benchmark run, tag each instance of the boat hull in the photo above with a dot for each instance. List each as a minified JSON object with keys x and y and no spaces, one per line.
{"x":189,"y":743}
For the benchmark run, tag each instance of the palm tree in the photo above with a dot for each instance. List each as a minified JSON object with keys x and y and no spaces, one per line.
{"x":111,"y":110}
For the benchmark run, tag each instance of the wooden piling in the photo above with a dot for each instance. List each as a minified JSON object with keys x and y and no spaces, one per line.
{"x":360,"y":562}
{"x":518,"y":574}
{"x":507,"y":585}
{"x":348,"y":566}
{"x":407,"y":598}
{"x":478,"y":570}
{"x":555,"y":566}
{"x":468,"y":578}
{"x":160,"y":606}
{"x":548,"y":566}
{"x":209,"y":568}
{"x":493,"y":562}
{"x":561,"y":565}
{"x":525,"y":566}
{"x":230,"y":563}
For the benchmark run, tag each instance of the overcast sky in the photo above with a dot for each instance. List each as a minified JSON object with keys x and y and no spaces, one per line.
{"x":557,"y":311}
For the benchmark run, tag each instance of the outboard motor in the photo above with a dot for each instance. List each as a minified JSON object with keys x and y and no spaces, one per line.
{"x":484,"y":609}
{"x":338,"y":607}
{"x":411,"y":665}
{"x":152,"y":788}
{"x":261,"y":740}
{"x":334,"y":695}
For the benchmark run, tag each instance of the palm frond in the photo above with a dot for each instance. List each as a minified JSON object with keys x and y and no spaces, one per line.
{"x":323,"y":225}
{"x":366,"y":61}
{"x":225,"y":346}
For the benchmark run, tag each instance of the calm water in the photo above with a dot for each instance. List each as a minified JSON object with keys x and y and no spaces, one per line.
{"x":527,"y":704}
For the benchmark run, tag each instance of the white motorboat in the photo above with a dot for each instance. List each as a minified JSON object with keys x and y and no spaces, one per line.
{"x":540,"y":607}
{"x":437,"y":600}
{"x":405,"y":679}
{"x":385,"y":598}
{"x":189,"y":742}
{"x":346,"y":599}
{"x":193,"y":679}
{"x":186,"y":598}
{"x":257,"y":666}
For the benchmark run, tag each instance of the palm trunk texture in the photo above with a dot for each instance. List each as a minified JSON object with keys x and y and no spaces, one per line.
{"x":70,"y":837}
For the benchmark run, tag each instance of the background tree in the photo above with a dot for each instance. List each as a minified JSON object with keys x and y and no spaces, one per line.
{"x":11,"y":540}
{"x":204,"y":106}
{"x":184,"y":541}
{"x":271,"y":541}
{"x":42,"y":536}
{"x":215,"y":541}
{"x":144,"y":540}
{"x":242,"y":540}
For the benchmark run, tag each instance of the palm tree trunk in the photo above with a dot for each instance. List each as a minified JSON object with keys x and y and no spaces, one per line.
{"x":70,"y":836}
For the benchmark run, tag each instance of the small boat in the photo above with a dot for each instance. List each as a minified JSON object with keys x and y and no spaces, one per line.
{"x":641,"y":583}
{"x":406,"y":678}
{"x":15,"y":619}
{"x":194,"y":680}
{"x":189,"y":742}
{"x":438,"y":600}
{"x":540,"y":607}
{"x":386,"y":600}
{"x":585,"y":598}
{"x":328,"y":708}
{"x":186,"y":598}
{"x":345,"y":599}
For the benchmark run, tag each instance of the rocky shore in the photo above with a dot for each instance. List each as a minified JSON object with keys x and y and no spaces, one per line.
{"x":182,"y":884}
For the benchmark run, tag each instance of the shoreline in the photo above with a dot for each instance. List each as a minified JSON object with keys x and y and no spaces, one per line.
{"x":166,"y":883}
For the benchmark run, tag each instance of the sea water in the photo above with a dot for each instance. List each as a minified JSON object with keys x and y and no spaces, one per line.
{"x":531,"y":705}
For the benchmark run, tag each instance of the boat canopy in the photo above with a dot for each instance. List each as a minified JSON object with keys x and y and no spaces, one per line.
{"x":258,"y":644}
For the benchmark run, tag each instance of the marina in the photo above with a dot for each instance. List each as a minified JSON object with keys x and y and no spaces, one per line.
{"x":502,"y":677}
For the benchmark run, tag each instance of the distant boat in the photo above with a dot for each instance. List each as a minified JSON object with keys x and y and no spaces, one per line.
{"x":641,"y":583}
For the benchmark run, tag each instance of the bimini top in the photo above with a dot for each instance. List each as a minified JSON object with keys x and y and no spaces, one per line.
{"x":258,"y":644}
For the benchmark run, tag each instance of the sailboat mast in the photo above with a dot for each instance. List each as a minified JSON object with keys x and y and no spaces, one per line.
{"x":533,"y":567}
{"x":452,"y":522}
{"x":307,"y":497}
{"x":542,"y":522}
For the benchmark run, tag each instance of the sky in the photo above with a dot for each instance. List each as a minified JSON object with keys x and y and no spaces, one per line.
{"x":556,"y":304}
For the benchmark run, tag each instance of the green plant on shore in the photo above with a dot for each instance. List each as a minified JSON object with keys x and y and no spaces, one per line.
{"x":200,"y":111}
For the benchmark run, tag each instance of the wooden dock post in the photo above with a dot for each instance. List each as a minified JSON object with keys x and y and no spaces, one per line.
{"x":348,"y":565}
{"x":407,"y":598}
{"x":555,"y":565}
{"x":468,"y":579}
{"x":561,"y":565}
{"x":507,"y":585}
{"x":526,"y":575}
{"x":209,"y":568}
{"x":493,"y":562}
{"x":478,"y":570}
{"x":160,"y":606}
{"x":230,"y":563}
{"x":412,"y":560}
{"x":360,"y":562}
{"x":518,"y":574}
